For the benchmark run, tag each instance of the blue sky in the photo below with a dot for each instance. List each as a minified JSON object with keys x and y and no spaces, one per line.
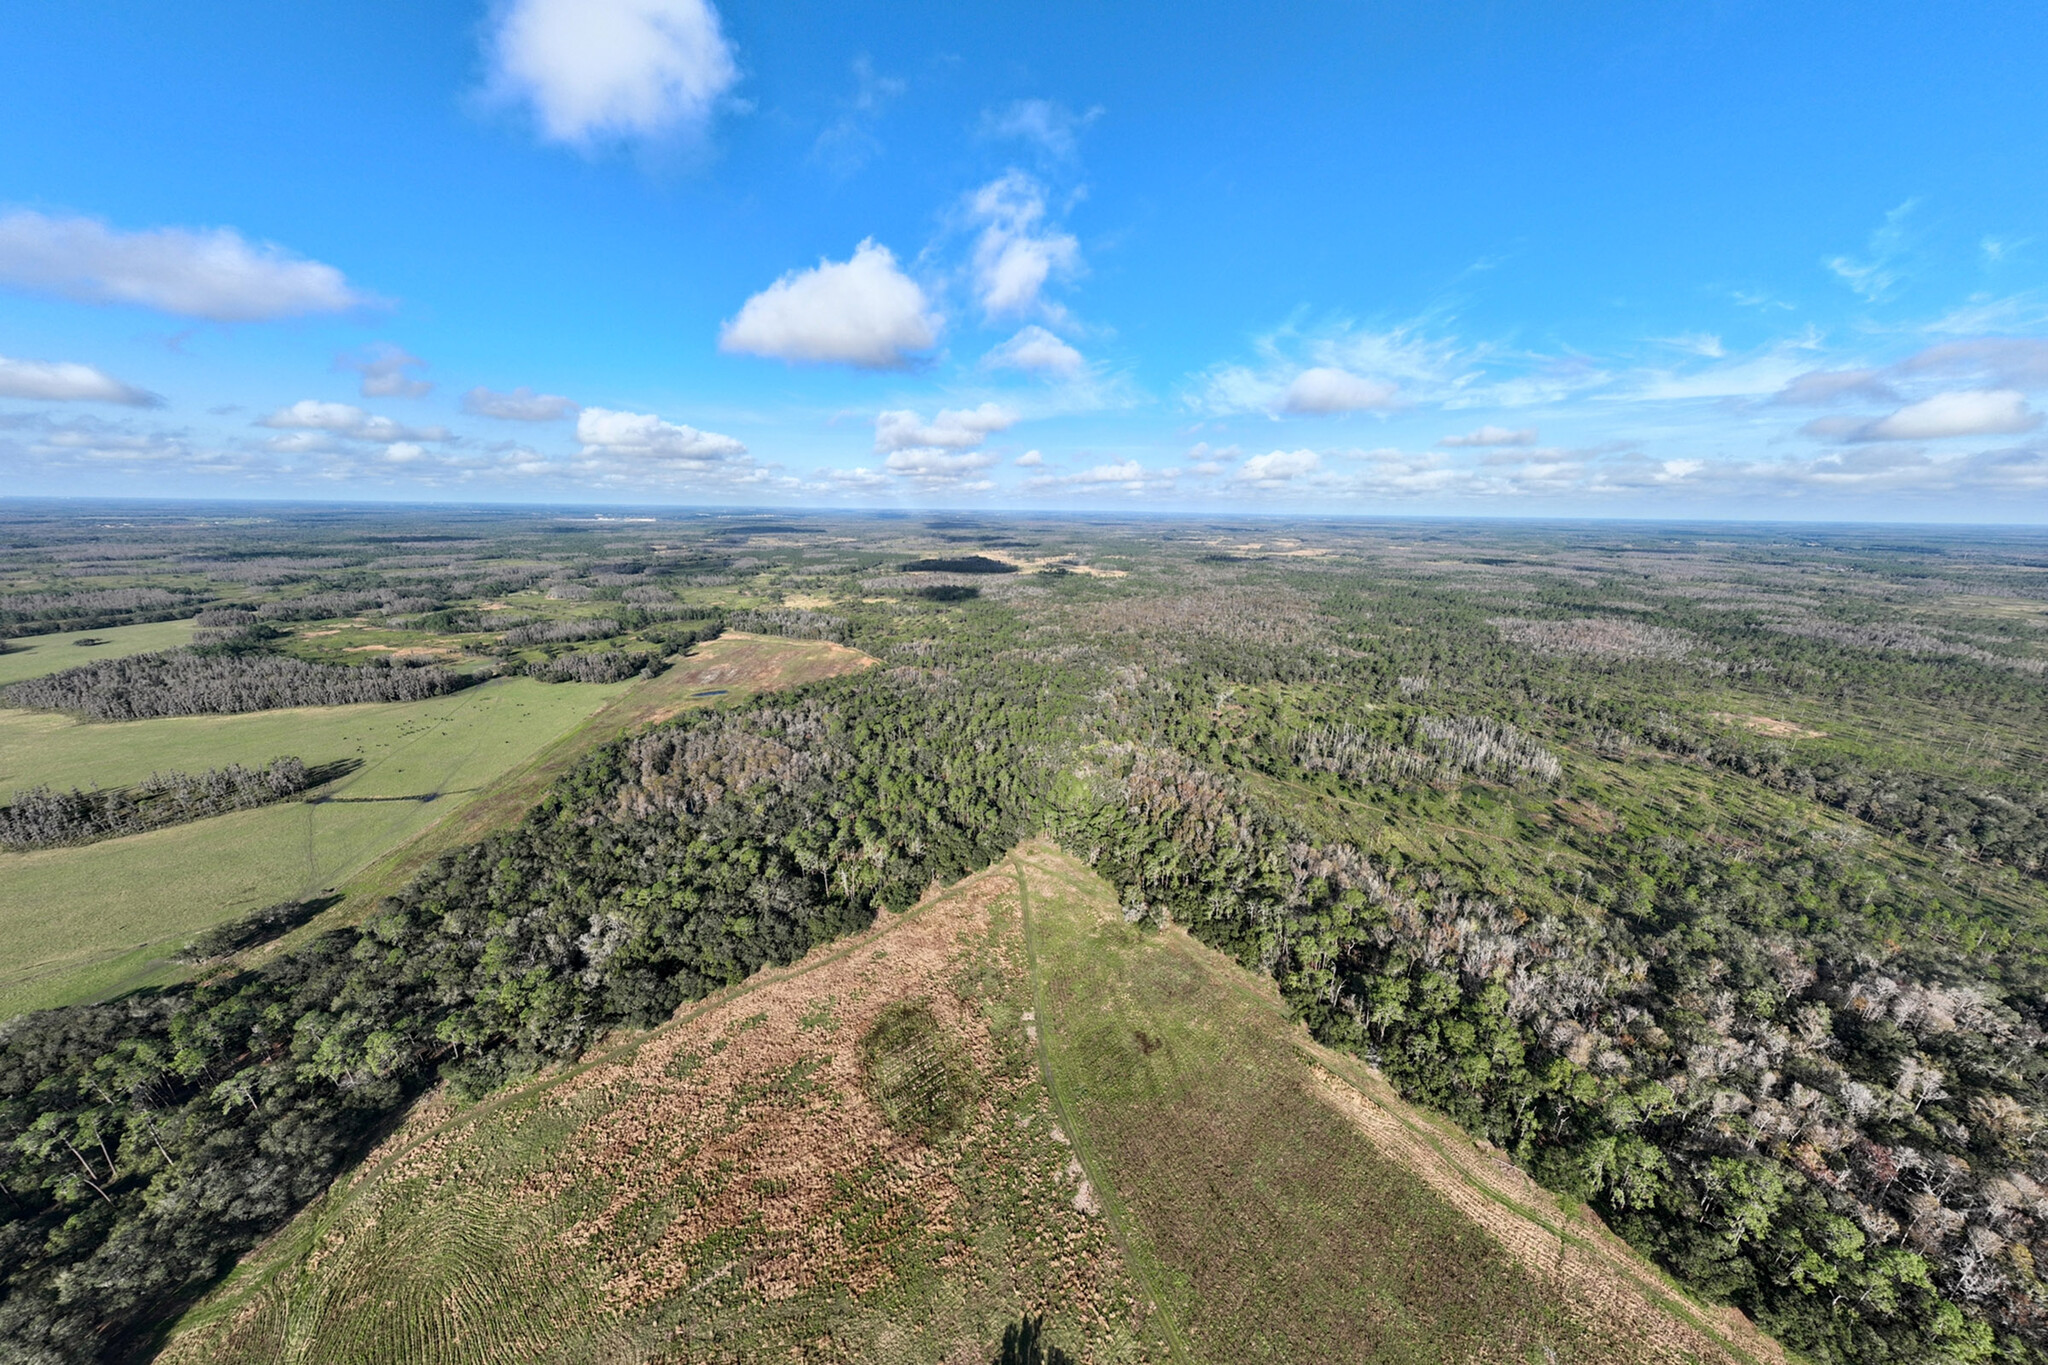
{"x":1781,"y":261}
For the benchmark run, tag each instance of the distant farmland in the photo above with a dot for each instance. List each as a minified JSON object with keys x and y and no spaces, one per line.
{"x":79,"y":923}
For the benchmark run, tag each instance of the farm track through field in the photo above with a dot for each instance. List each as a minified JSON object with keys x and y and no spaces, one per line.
{"x":1112,"y":1206}
{"x":1597,"y":1274}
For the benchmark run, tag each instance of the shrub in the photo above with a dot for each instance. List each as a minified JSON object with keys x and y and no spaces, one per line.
{"x":917,"y":1073}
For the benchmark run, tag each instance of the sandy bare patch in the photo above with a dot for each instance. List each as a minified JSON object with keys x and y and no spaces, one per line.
{"x":1764,"y":725}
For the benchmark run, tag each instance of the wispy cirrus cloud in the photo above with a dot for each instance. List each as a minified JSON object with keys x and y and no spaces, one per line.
{"x":849,"y":142}
{"x":1334,"y":369}
{"x":1050,"y":127}
{"x":1881,"y":266}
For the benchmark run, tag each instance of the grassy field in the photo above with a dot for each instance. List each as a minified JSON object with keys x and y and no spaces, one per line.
{"x":721,"y":1190}
{"x":78,"y":922}
{"x":1268,"y":1219}
{"x":1198,"y":1183}
{"x":82,"y":923}
{"x":31,"y":656}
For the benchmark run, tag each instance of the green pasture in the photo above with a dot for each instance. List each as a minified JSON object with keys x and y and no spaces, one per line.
{"x":77,"y":923}
{"x":1265,"y":1225}
{"x":31,"y":656}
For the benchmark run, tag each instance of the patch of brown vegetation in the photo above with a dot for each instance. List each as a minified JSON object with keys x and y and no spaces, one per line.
{"x":1586,"y":815}
{"x":769,"y":1121}
{"x":723,"y":1189}
{"x":1764,"y":725}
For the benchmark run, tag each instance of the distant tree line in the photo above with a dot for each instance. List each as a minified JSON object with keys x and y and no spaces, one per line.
{"x":561,"y":632}
{"x":793,"y":622}
{"x":190,"y":683}
{"x":46,"y":613}
{"x":597,"y":666}
{"x":43,"y":818}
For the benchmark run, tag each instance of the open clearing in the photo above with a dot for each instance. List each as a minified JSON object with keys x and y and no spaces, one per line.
{"x":81,"y":923}
{"x":1198,"y":1183}
{"x":1270,"y":1222}
{"x":722,"y":1190}
{"x":31,"y":656}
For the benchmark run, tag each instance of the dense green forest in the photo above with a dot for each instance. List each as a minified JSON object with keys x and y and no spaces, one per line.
{"x":1699,"y":869}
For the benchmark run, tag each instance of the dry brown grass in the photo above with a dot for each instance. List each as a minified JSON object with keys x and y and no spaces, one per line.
{"x":723,"y":1189}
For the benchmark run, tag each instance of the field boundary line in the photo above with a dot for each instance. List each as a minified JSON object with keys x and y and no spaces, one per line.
{"x":1112,"y":1205}
{"x":1656,"y":1289}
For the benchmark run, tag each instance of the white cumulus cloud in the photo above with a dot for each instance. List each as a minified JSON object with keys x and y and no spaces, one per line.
{"x":642,"y":436}
{"x":1966,"y":412}
{"x":952,"y":429}
{"x":1326,"y":389}
{"x":1017,"y":251}
{"x":596,"y":69}
{"x":519,"y":405}
{"x":1278,"y":466}
{"x":348,"y":421}
{"x":210,"y":273}
{"x":63,"y":381}
{"x":863,"y":311}
{"x":1491,"y":435}
{"x":1036,"y":351}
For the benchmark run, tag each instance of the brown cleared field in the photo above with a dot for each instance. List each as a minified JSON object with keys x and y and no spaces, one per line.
{"x":721,"y":1190}
{"x":1157,"y":1159}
